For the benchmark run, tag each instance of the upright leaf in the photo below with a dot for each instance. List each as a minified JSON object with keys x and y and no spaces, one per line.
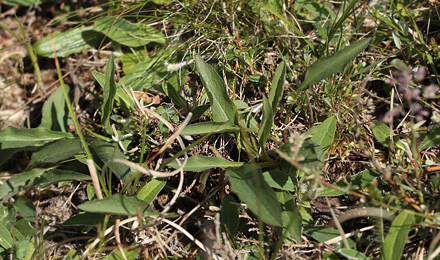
{"x":326,"y":66}
{"x":266,"y":123}
{"x":277,"y":88}
{"x":223,"y":109}
{"x":325,"y":133}
{"x":109,"y":95}
{"x":55,"y":112}
{"x":229,"y":215}
{"x":395,"y":240}
{"x":248,"y":183}
{"x":292,"y":220}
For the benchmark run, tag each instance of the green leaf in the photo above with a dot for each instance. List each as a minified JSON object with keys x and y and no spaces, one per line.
{"x":359,"y":181}
{"x":11,"y":137}
{"x":6,"y":241}
{"x":126,"y":33}
{"x":119,"y":205}
{"x":25,"y":228}
{"x":150,"y":190}
{"x":177,"y":99}
{"x":432,"y":139}
{"x":209,"y":127}
{"x":326,"y":66}
{"x":229,"y":215}
{"x":109,"y":95}
{"x":312,"y":153}
{"x":248,"y":183}
{"x":120,"y":96}
{"x":20,"y":248}
{"x":382,"y":134}
{"x":85,"y":219}
{"x":26,"y":208}
{"x":277,"y":88}
{"x":395,"y":240}
{"x":72,"y":255}
{"x":325,"y":133}
{"x":351,"y":254}
{"x":292,"y":220}
{"x":55,"y":113}
{"x":130,"y":254}
{"x":323,"y":234}
{"x":223,"y":109}
{"x":54,"y":176}
{"x":105,"y":152}
{"x":55,"y":151}
{"x":198,"y":163}
{"x":198,"y":112}
{"x":30,"y":251}
{"x":74,"y":40}
{"x":280,"y":180}
{"x":18,"y":182}
{"x":266,"y":123}
{"x":23,"y":2}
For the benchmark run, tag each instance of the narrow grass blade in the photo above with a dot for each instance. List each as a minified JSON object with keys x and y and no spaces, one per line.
{"x":223,"y":109}
{"x":329,"y":65}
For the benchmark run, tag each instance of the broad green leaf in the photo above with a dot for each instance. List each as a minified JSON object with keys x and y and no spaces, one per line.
{"x":323,"y":234}
{"x":55,"y":113}
{"x":85,"y":219}
{"x":127,"y":33}
{"x":150,"y":190}
{"x":21,"y":247}
{"x":277,"y":88}
{"x":432,"y":139}
{"x":292,"y":220}
{"x":266,"y":123}
{"x":198,"y":163}
{"x":8,"y":215}
{"x":26,"y":209}
{"x":357,"y":181}
{"x":25,"y":228}
{"x":329,"y":65}
{"x":248,"y":183}
{"x":310,"y":151}
{"x":55,"y":151}
{"x":105,"y":152}
{"x":223,"y":109}
{"x":325,"y":133}
{"x":396,"y":238}
{"x":18,"y":182}
{"x":109,"y":95}
{"x":74,"y":40}
{"x":130,"y":254}
{"x":6,"y":154}
{"x":31,"y":250}
{"x":119,"y":205}
{"x":54,"y":176}
{"x":72,"y":255}
{"x":6,"y":239}
{"x":229,"y":215}
{"x":351,"y":254}
{"x":382,"y":134}
{"x":209,"y":127}
{"x":198,"y":112}
{"x":280,"y":180}
{"x":11,"y":137}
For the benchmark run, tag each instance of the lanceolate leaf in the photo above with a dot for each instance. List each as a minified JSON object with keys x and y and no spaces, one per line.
{"x":129,"y":34}
{"x":266,"y":123}
{"x":248,"y":183}
{"x":432,"y":139}
{"x":56,"y":151}
{"x":198,"y":163}
{"x":109,"y":95}
{"x":119,"y":205}
{"x":11,"y":137}
{"x":73,"y":41}
{"x":326,"y":66}
{"x":382,"y":134}
{"x":209,"y":127}
{"x":395,"y":240}
{"x":277,"y":88}
{"x":223,"y":109}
